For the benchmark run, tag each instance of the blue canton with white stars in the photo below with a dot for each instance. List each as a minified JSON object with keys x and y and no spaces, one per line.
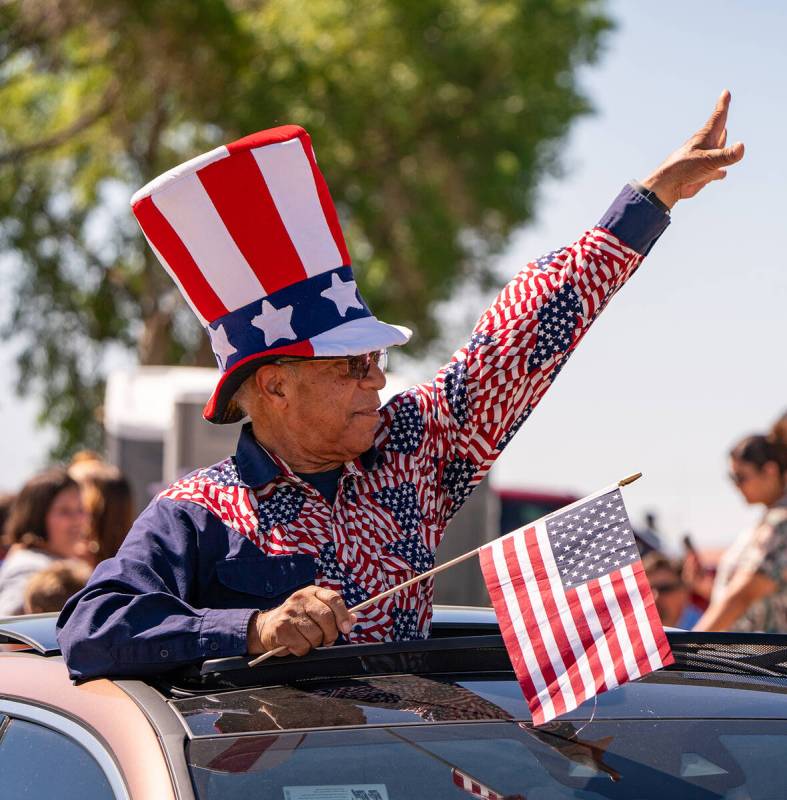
{"x":557,"y":321}
{"x":454,"y":381}
{"x":328,"y":564}
{"x":592,"y":540}
{"x":506,"y":438}
{"x":479,"y":339}
{"x":348,"y":487}
{"x":407,"y":430}
{"x":405,"y":623}
{"x":547,"y":259}
{"x":281,"y":508}
{"x":224,"y":473}
{"x":456,"y":479}
{"x":414,"y":552}
{"x":402,"y":502}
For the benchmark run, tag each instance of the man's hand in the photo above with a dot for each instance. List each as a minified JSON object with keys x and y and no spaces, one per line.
{"x":702,"y":159}
{"x":309,"y":618}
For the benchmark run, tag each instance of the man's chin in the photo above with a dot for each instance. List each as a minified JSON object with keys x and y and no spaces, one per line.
{"x":362,"y":432}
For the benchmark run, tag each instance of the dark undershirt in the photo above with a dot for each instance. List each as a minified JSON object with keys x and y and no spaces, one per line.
{"x":326,"y":483}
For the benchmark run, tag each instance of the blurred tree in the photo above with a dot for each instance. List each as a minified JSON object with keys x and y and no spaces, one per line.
{"x":433,"y":121}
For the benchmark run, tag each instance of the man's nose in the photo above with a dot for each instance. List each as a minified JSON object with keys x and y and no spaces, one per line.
{"x":375,"y":378}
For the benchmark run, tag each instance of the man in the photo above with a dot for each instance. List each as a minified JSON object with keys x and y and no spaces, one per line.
{"x":329,"y":501}
{"x":670,"y":593}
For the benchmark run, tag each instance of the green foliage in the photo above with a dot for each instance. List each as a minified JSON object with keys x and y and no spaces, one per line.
{"x":433,"y":121}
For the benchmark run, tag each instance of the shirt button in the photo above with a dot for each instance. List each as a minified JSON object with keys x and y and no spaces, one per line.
{"x":214,"y":645}
{"x":164,"y":653}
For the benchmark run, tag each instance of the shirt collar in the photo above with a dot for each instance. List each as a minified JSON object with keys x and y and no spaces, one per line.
{"x":256,"y":466}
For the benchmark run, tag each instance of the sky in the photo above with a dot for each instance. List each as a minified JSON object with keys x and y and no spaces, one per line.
{"x":690,"y":355}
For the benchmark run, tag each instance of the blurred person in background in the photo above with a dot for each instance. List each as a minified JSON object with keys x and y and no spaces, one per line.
{"x":49,"y":589}
{"x":671,"y":595}
{"x":6,"y":501}
{"x":106,"y":497}
{"x":46,"y":523}
{"x":697,"y":573}
{"x":750,"y":590}
{"x":648,"y":537}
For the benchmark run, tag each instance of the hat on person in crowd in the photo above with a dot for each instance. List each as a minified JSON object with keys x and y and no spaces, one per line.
{"x":250,"y":235}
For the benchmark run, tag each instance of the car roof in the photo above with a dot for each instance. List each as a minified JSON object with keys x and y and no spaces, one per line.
{"x":462,"y":674}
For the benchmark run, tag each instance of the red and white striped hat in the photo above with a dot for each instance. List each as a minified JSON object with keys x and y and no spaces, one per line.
{"x":250,"y":235}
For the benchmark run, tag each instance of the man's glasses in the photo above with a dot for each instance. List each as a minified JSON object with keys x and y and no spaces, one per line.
{"x":666,"y":588}
{"x":357,"y":366}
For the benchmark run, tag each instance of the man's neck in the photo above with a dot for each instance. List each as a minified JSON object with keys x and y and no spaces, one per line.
{"x":284,"y":446}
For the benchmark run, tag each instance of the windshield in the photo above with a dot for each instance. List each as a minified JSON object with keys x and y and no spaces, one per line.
{"x":635,"y":760}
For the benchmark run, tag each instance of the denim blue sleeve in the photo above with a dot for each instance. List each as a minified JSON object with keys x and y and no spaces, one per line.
{"x":134,"y":618}
{"x":636,"y":221}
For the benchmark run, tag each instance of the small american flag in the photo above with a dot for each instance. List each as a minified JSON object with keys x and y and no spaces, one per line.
{"x":477,"y":789}
{"x":574,"y":605}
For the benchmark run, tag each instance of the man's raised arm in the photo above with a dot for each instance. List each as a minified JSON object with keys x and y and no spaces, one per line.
{"x":479,"y":400}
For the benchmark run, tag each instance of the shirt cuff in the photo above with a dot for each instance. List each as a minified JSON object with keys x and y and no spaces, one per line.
{"x":634,"y":220}
{"x":224,"y":632}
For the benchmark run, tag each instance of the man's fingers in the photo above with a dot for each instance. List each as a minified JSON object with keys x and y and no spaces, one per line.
{"x":323,"y":617}
{"x":291,"y":636}
{"x":344,"y":620}
{"x":717,"y":122}
{"x":725,"y":156}
{"x":310,"y":629}
{"x":722,"y":139}
{"x":691,"y":189}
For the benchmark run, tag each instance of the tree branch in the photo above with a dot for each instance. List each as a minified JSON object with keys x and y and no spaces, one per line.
{"x":61,"y":137}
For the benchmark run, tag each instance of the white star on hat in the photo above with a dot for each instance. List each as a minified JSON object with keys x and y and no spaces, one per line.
{"x":342,"y":294}
{"x":221,"y":345}
{"x":274,"y":323}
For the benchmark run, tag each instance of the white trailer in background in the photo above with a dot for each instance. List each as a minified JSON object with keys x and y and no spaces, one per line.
{"x":154,"y":427}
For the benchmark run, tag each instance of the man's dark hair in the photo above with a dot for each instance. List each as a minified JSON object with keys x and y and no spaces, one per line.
{"x":654,"y":561}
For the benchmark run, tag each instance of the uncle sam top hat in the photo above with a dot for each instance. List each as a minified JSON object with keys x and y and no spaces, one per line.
{"x":250,"y":235}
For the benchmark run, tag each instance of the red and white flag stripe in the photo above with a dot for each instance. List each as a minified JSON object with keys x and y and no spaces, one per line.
{"x":469,"y":784}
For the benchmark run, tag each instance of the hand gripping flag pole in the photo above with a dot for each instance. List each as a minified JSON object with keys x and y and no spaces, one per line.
{"x":575,"y":609}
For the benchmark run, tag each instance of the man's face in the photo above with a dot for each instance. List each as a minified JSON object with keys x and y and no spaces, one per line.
{"x":332,"y":415}
{"x":669,"y":594}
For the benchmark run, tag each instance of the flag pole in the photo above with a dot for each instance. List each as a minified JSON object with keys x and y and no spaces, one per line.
{"x":459,"y":559}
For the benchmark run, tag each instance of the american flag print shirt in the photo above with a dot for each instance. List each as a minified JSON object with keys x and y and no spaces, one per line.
{"x":436,"y":442}
{"x":245,"y":533}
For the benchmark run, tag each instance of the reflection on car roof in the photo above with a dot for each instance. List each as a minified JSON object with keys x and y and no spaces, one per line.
{"x":415,"y":700}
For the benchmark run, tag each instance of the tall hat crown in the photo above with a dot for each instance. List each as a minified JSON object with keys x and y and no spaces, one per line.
{"x":250,"y":235}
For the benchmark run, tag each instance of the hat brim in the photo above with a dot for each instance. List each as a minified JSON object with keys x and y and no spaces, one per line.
{"x":353,"y":338}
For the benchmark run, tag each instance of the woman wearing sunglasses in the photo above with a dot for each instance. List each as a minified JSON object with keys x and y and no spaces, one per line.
{"x":750,"y":590}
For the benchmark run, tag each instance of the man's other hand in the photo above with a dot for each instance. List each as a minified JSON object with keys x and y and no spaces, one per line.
{"x":311,"y":617}
{"x":702,"y":159}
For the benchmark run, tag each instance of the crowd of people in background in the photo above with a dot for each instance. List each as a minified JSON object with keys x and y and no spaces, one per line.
{"x":65,"y":521}
{"x":56,"y":529}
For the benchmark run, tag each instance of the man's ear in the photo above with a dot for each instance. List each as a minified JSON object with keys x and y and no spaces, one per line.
{"x":273,"y":383}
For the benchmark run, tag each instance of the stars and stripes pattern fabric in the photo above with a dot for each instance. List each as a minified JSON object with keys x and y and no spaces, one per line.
{"x":575,"y":608}
{"x":435,"y":443}
{"x":250,"y":236}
